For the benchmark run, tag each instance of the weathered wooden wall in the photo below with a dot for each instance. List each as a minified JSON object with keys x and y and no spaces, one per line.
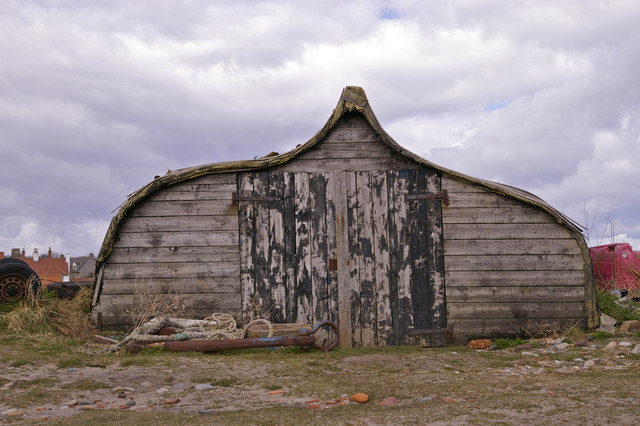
{"x":182,"y":240}
{"x":509,"y":266}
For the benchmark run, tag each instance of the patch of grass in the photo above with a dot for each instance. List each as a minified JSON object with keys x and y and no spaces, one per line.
{"x":85,"y":384}
{"x":272,"y":387}
{"x":18,"y":363}
{"x":601,"y":335}
{"x":509,"y":343}
{"x":608,"y":305}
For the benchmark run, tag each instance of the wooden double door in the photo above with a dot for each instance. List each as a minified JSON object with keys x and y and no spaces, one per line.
{"x":360,"y":248}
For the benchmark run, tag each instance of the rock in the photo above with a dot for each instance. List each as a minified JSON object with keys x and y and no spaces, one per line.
{"x":629,"y":326}
{"x":205,"y":411}
{"x":578,"y":360}
{"x":123,"y":389}
{"x":607,"y":323}
{"x":162,"y":390}
{"x":525,"y":346}
{"x":493,"y":347}
{"x":589,"y":363}
{"x":389,"y":401}
{"x":582,"y":343}
{"x":71,"y":403}
{"x":84,"y":402}
{"x":146,"y":384}
{"x":479,"y":344}
{"x":72,"y":370}
{"x":277,"y":392}
{"x":611,"y":346}
{"x":122,"y":395}
{"x":359,"y":397}
{"x":529,"y":354}
{"x":636,"y":350}
{"x":130,"y":402}
{"x":171,"y":401}
{"x":203,"y":386}
{"x":180,"y":385}
{"x":625,"y":344}
{"x":17,"y":413}
{"x":426,"y":399}
{"x":41,"y":408}
{"x":562,"y":346}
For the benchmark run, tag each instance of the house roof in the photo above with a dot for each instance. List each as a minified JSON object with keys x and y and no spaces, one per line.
{"x":353,"y":98}
{"x":48,"y":266}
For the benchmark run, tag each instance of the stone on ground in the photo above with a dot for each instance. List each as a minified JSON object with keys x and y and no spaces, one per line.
{"x":360,"y":397}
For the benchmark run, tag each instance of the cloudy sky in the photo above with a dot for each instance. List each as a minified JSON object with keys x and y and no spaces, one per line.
{"x":98,"y":97}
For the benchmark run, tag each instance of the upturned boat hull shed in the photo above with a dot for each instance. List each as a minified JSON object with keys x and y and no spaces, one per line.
{"x":353,"y":228}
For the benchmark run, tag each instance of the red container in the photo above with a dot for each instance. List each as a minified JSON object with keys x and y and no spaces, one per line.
{"x":616,"y":266}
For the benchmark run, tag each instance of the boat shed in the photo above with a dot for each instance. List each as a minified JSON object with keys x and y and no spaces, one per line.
{"x":349,"y":227}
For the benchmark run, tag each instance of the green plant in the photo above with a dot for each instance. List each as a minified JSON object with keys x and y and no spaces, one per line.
{"x":602,"y":335}
{"x":509,"y":343}
{"x":620,"y":312}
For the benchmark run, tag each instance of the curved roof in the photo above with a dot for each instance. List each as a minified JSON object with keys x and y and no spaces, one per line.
{"x":353,"y":98}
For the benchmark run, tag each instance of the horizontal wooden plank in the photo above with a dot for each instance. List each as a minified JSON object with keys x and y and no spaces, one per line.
{"x":183,"y":208}
{"x":481,"y":199}
{"x":174,"y":254}
{"x":504,"y":294}
{"x":520,"y":214}
{"x":172,"y":285}
{"x":513,"y":278}
{"x":174,"y":195}
{"x":500,"y":327}
{"x":177,"y":239}
{"x":329,"y":153}
{"x":211,"y":179}
{"x":180,"y":223}
{"x":354,"y":146}
{"x":513,"y":310}
{"x":351,"y":134}
{"x":170,"y":270}
{"x":515,"y":231}
{"x":347,"y":164}
{"x":501,"y":247}
{"x":213,"y":302}
{"x":453,"y":185}
{"x":514,"y":262}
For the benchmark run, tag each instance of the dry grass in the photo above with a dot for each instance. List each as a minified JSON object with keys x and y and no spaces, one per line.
{"x":52,"y":316}
{"x":148,"y":303}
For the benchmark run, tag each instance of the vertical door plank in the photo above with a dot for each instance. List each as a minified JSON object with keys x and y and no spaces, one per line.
{"x":337,"y":194}
{"x":401,"y":255}
{"x":318,"y":241}
{"x":332,"y":275}
{"x":418,"y":228}
{"x":245,"y":223}
{"x":303,"y":254}
{"x":366,"y":265}
{"x":276,"y":249}
{"x":354,"y":258}
{"x":435,"y":259}
{"x":381,"y":255}
{"x":261,"y":245}
{"x":289,"y":223}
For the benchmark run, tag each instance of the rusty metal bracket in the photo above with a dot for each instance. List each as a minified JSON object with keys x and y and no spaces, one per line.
{"x":444,"y":196}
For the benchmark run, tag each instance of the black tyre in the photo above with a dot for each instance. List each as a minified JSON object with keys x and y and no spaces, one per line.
{"x":5,"y":260}
{"x":14,"y":278}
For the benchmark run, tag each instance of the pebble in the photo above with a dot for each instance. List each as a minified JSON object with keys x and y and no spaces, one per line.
{"x":389,"y":401}
{"x":85,"y":402}
{"x":562,"y":346}
{"x":276,"y":392}
{"x":426,"y":399}
{"x":8,"y":385}
{"x":179,"y":385}
{"x":205,"y":411}
{"x":636,"y":350}
{"x":578,"y":360}
{"x":17,"y":413}
{"x":122,"y":395}
{"x":359,"y":397}
{"x":72,"y":370}
{"x":589,"y":363}
{"x":581,"y":343}
{"x":162,"y":390}
{"x":625,"y":344}
{"x":130,"y":402}
{"x":71,"y":403}
{"x":529,"y":354}
{"x":203,"y":386}
{"x":611,"y":346}
{"x":525,"y":346}
{"x":123,"y":389}
{"x":146,"y":384}
{"x":171,"y":401}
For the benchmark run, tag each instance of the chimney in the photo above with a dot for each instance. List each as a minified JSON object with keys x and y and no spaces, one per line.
{"x":68,"y":258}
{"x":1,"y":254}
{"x":50,"y":253}
{"x":15,"y":252}
{"x":24,"y":252}
{"x":35,"y":256}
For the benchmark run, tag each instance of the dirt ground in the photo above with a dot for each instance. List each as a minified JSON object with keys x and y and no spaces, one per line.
{"x":58,"y":382}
